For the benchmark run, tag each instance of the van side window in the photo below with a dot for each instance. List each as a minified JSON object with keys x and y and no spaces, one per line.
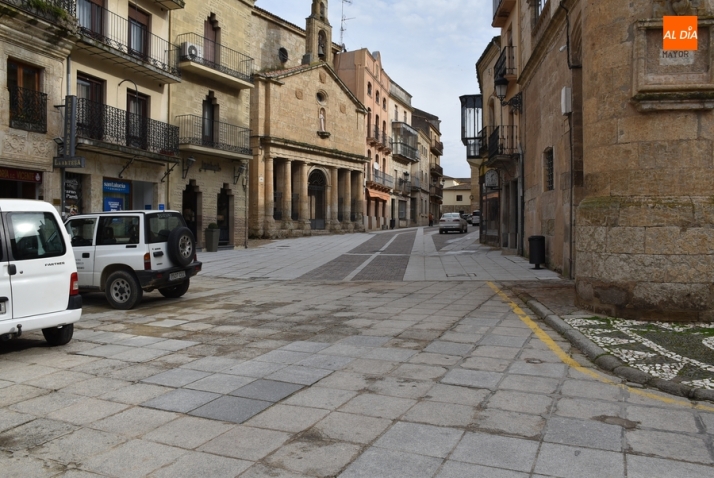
{"x":118,"y":230}
{"x":81,"y":231}
{"x":35,"y":235}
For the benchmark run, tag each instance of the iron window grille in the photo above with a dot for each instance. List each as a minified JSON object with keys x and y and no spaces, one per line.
{"x":100,"y":122}
{"x":216,"y":56}
{"x":549,"y":182}
{"x":99,"y":24}
{"x":223,"y":136}
{"x":28,"y":109}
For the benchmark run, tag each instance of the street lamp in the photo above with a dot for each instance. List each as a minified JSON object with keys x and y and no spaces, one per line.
{"x":471,"y":124}
{"x":501,"y":86}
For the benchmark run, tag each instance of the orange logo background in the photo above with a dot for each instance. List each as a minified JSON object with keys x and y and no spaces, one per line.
{"x":679,"y":33}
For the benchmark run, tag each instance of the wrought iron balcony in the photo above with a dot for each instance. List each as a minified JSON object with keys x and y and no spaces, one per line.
{"x":437,"y":147}
{"x":501,"y":11}
{"x":381,"y":140}
{"x":197,"y":131}
{"x":405,"y":151}
{"x":28,"y":109}
{"x":437,"y":191}
{"x":102,"y":31}
{"x":204,"y":56}
{"x":503,"y":141}
{"x":54,"y":11}
{"x":106,"y":124}
{"x":378,"y":177}
{"x":403,"y":186}
{"x":416,"y":184}
{"x":437,"y":170}
{"x":506,"y":64}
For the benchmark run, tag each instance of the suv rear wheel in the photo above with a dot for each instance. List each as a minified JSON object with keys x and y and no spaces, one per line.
{"x":181,"y":246}
{"x":122,"y":290}
{"x":175,"y":291}
{"x":59,"y":335}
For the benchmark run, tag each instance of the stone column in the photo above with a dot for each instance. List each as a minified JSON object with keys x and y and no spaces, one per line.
{"x":359,"y":197}
{"x":269,"y":198}
{"x":287,"y":194}
{"x":334,"y":197}
{"x":304,"y":199}
{"x":347,"y":195}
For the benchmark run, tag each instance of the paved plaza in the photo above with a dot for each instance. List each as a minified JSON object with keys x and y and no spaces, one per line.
{"x":397,"y":354}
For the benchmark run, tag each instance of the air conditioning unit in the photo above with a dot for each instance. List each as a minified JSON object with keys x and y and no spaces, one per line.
{"x":191,"y":51}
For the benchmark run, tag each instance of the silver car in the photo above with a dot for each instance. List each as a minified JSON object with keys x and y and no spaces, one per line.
{"x":452,"y":221}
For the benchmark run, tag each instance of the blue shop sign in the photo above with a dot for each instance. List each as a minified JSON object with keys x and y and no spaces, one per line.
{"x":116,"y":187}
{"x":113,"y":204}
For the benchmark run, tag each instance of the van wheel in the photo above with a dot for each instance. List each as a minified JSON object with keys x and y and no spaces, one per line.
{"x":58,"y":335}
{"x":181,"y":246}
{"x":122,"y":290}
{"x":175,"y":291}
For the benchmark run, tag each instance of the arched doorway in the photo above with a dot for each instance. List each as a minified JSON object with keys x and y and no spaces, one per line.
{"x":316,"y":190}
{"x":191,"y":207}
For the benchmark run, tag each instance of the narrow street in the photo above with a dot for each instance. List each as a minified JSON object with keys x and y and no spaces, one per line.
{"x":396,"y":354}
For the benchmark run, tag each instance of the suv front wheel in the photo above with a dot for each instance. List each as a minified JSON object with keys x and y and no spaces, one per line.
{"x":175,"y":291}
{"x":122,"y":290}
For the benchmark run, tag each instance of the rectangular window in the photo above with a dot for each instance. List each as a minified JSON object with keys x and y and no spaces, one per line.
{"x":137,"y":106}
{"x":90,"y":107}
{"x":28,"y":106}
{"x":118,"y":230}
{"x":402,"y":209}
{"x":549,"y":170}
{"x":81,"y":231}
{"x":459,"y":198}
{"x":35,"y":235}
{"x":138,"y":33}
{"x":90,"y":17}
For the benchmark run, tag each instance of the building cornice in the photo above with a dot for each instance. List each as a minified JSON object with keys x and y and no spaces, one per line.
{"x":311,"y":148}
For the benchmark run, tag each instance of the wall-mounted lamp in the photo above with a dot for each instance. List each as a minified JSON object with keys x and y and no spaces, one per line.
{"x":187,"y":163}
{"x":238,"y":172}
{"x":59,"y":141}
{"x":501,"y":85}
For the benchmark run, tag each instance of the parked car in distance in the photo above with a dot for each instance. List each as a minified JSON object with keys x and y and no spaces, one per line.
{"x":468,"y":218}
{"x":476,"y":218}
{"x":127,"y":253}
{"x":38,"y":283}
{"x":452,"y":221}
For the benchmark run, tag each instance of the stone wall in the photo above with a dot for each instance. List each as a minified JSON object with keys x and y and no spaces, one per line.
{"x":644,"y":230}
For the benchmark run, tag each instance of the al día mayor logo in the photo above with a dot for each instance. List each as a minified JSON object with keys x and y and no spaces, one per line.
{"x":679,"y":33}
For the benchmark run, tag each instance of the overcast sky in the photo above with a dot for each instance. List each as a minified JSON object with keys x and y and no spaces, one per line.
{"x":429,"y":47}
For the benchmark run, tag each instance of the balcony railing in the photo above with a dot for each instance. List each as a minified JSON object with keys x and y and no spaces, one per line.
{"x":437,"y":191}
{"x":51,"y":10}
{"x":437,"y":147}
{"x":376,"y":176}
{"x":213,"y":55}
{"x":101,"y":25}
{"x":503,"y":141}
{"x":28,"y":109}
{"x":213,"y":134}
{"x":96,"y":121}
{"x":403,"y":186}
{"x":506,"y":64}
{"x":437,"y":169}
{"x":380,"y":137}
{"x":406,"y":151}
{"x":416,"y":184}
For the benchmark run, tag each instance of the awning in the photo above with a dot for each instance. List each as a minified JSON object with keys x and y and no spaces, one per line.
{"x":373,"y":194}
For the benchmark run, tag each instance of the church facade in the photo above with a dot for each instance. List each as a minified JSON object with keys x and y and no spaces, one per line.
{"x":307,"y":130}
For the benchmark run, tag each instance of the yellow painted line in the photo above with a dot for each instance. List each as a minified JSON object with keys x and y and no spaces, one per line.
{"x":568,"y":360}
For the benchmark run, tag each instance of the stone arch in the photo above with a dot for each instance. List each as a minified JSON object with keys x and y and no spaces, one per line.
{"x":317,"y":186}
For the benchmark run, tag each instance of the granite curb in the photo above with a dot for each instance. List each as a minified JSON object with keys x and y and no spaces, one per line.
{"x":607,"y":361}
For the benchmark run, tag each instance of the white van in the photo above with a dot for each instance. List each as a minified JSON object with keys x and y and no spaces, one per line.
{"x":39,"y":288}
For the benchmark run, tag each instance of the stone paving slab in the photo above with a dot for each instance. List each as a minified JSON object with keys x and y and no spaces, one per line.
{"x":402,"y":378}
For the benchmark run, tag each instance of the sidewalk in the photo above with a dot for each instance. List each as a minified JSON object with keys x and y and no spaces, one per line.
{"x":675,"y":357}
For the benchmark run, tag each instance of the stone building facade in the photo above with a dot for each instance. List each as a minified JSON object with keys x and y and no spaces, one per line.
{"x":211,"y":107}
{"x":34,"y":46}
{"x":307,"y":169}
{"x":617,"y":146}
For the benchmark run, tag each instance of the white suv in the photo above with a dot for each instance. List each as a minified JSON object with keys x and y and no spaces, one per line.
{"x":38,"y":278}
{"x":125,"y":253}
